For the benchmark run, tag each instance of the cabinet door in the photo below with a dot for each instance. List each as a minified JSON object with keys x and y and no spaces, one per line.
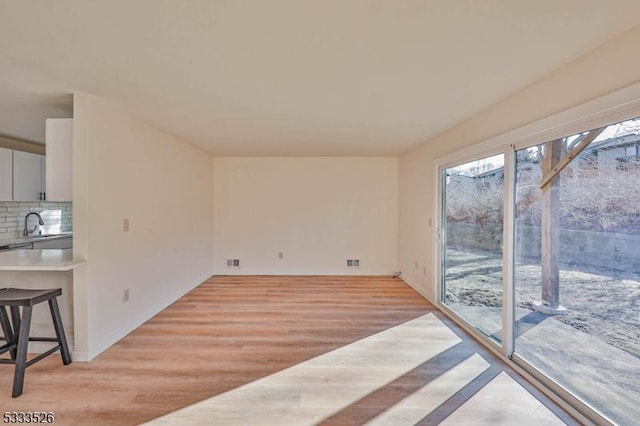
{"x":28,"y":176}
{"x":59,"y":145}
{"x":6,"y":174}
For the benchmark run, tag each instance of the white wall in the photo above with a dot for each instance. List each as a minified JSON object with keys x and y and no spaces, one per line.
{"x":123,"y":168}
{"x":317,"y":211}
{"x":611,"y":67}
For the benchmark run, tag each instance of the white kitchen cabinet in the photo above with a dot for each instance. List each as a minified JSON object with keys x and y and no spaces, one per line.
{"x":6,"y":174}
{"x":28,"y":176}
{"x":59,"y":145}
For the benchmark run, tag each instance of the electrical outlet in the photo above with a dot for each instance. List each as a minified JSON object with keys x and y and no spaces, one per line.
{"x":424,"y":270}
{"x":280,"y":255}
{"x":416,"y":264}
{"x":125,"y":225}
{"x":125,"y":296}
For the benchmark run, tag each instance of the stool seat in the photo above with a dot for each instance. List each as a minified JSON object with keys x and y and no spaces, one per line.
{"x":22,"y":297}
{"x":16,"y":331}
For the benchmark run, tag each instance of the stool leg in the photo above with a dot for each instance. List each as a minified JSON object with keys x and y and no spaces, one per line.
{"x":15,"y":319}
{"x":57,"y":323}
{"x":21,"y":356}
{"x":6,"y":328}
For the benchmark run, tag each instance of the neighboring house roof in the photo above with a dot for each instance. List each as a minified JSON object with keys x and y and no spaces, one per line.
{"x":615,"y":142}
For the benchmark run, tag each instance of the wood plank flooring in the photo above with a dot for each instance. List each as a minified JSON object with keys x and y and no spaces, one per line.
{"x":231,"y":331}
{"x":227,"y":332}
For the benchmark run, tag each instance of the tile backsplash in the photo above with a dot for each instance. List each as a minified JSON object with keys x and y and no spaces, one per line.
{"x":57,"y":217}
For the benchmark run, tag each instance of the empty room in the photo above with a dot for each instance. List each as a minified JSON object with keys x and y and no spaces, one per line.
{"x":320,"y":212}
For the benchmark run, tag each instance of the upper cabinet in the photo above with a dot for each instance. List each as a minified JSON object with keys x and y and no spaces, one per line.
{"x":6,"y":174}
{"x":59,"y":150}
{"x":28,"y":176}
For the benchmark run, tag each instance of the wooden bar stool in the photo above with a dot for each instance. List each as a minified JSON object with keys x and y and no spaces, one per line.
{"x":16,"y":332}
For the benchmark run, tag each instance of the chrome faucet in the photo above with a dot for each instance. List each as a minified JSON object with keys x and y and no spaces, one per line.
{"x":26,"y":231}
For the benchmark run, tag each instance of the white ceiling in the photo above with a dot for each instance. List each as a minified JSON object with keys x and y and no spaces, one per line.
{"x":290,"y":77}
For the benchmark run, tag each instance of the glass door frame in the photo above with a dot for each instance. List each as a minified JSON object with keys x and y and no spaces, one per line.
{"x":507,"y":336}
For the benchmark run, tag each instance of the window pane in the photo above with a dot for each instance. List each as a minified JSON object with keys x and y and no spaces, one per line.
{"x":577,"y":272}
{"x":472,"y":249}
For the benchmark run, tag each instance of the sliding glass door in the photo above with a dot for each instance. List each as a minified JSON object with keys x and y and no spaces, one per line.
{"x":473,"y":195}
{"x":564,"y":286}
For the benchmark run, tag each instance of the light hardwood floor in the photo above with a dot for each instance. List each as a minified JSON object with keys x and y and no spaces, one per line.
{"x":231,"y":331}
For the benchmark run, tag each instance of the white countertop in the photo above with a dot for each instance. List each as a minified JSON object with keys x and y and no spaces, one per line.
{"x":39,"y":260}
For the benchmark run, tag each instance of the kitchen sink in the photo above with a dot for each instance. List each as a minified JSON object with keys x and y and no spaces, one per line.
{"x":37,"y":237}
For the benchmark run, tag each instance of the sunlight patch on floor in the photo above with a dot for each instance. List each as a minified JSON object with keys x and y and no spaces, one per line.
{"x":421,"y":403}
{"x":314,"y":390}
{"x":503,"y":402}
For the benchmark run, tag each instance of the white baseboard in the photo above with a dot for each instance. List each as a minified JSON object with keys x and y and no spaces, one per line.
{"x":415,"y":286}
{"x":306,"y":272}
{"x":80,"y":356}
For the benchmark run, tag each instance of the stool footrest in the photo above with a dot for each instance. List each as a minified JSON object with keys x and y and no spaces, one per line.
{"x":7,"y":347}
{"x":43,"y":339}
{"x":34,"y":360}
{"x":43,"y":355}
